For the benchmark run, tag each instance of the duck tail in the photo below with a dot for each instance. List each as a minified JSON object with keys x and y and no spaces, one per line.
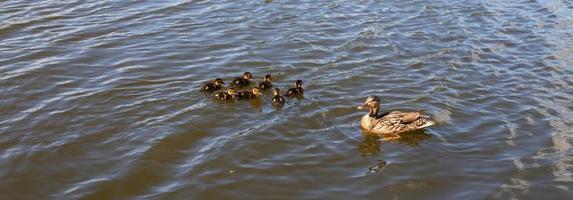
{"x":427,"y":123}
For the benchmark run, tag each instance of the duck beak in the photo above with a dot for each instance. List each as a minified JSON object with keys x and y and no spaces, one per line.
{"x":363,"y":106}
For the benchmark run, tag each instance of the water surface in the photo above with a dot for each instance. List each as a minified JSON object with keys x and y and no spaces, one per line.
{"x":100,"y":100}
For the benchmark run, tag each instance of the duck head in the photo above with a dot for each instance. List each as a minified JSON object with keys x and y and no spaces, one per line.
{"x":219,"y":81}
{"x":276,"y":92}
{"x":257,"y":91}
{"x":372,"y":102}
{"x":268,"y":77}
{"x":231,"y":91}
{"x":248,"y":76}
{"x":298,"y":83}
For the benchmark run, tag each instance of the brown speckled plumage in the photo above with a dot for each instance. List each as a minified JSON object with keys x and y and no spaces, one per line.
{"x":392,"y":122}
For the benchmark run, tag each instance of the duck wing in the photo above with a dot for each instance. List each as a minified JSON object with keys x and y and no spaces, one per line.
{"x":278,"y":100}
{"x":290,"y":92}
{"x":209,"y":87}
{"x":404,"y":117}
{"x":410,"y":117}
{"x":222,"y":96}
{"x":240,"y":82}
{"x":265,"y":85}
{"x":398,"y":122}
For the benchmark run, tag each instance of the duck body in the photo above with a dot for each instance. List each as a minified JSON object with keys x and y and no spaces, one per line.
{"x":214,"y":86}
{"x":277,"y":99}
{"x":296,"y":91}
{"x":393,"y":122}
{"x":225,"y":96}
{"x":246,"y":95}
{"x":266,"y":84}
{"x":243,"y":81}
{"x":255,"y":93}
{"x":211,"y":87}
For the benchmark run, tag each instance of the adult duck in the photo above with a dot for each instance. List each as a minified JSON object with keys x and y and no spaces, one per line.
{"x":393,"y":122}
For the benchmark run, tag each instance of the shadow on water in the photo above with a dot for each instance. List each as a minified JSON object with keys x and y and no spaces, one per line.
{"x":257,"y":104}
{"x":371,"y":143}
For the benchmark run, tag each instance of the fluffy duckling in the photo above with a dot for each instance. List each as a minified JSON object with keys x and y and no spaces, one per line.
{"x":267,"y":83}
{"x":256,"y":92}
{"x":214,"y":86}
{"x":296,"y":91}
{"x":226,"y":96}
{"x":277,"y":100}
{"x":243,"y":81}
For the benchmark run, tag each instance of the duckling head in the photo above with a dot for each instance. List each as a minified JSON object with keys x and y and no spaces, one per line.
{"x":268,"y":77}
{"x":298,"y":83}
{"x":276,"y":92}
{"x":248,"y":76}
{"x":219,"y":81}
{"x":257,"y":91}
{"x":231,"y":91}
{"x":371,"y":102}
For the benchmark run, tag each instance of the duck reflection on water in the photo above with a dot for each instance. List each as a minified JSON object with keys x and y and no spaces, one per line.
{"x":371,"y":143}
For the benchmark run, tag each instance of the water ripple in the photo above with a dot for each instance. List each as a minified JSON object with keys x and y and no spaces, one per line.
{"x":100,"y":99}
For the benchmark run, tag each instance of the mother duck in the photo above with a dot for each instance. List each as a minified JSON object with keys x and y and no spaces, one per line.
{"x":393,"y":122}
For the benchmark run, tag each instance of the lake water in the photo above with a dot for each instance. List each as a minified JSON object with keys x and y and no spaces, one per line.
{"x":101,"y":100}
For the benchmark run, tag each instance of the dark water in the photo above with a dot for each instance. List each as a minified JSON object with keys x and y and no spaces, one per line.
{"x":99,"y":99}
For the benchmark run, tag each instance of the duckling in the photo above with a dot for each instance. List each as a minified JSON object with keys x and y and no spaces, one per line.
{"x":226,"y":96}
{"x":214,"y":86}
{"x":296,"y":91}
{"x":256,"y":92}
{"x":243,"y":81}
{"x":277,"y":100}
{"x":267,"y":83}
{"x":393,"y":122}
